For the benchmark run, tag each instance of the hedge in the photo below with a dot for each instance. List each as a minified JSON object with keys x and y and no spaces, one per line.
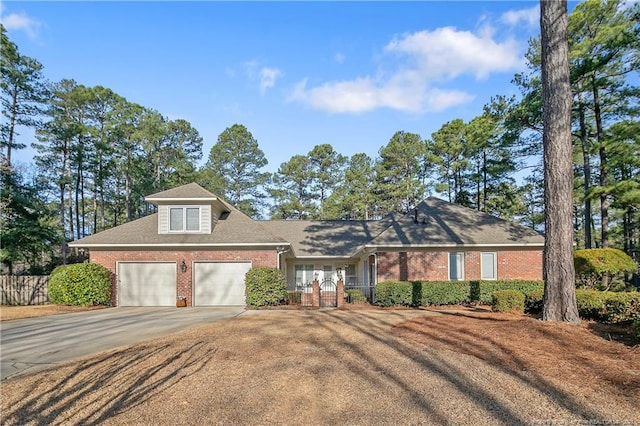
{"x":425,"y":293}
{"x":636,"y":330}
{"x":355,"y":296}
{"x":265,"y":287}
{"x":395,"y":293}
{"x":507,"y":301}
{"x":80,"y":284}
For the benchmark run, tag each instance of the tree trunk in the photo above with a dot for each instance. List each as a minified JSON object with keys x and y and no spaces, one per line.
{"x":558,"y":270}
{"x":586,"y":168}
{"x":604,"y":200}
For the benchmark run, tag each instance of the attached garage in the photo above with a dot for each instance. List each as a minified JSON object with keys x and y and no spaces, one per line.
{"x":219,"y":283}
{"x":147,"y":284}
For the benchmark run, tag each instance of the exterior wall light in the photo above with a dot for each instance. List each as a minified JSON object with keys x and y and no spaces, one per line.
{"x":183,"y":267}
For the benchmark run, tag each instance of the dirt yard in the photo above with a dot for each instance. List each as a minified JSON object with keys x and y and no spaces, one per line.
{"x":360,"y":366}
{"x":8,"y":313}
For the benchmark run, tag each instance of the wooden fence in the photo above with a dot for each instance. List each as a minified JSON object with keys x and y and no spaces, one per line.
{"x":24,"y":289}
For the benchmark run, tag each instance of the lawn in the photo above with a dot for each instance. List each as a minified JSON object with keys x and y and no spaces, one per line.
{"x":362,"y":366}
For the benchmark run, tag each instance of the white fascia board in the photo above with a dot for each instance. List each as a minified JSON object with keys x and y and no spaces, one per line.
{"x":182,"y":199}
{"x":324,"y":257}
{"x":399,"y":246}
{"x":160,"y":245}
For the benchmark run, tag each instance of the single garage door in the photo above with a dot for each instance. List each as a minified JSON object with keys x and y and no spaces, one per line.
{"x":219,"y":283}
{"x":147,"y":284}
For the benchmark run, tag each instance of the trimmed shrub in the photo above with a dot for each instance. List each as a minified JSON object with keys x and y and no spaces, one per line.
{"x":622,"y":307}
{"x":355,"y":296}
{"x":533,"y":301}
{"x":441,"y":292}
{"x":394,"y":293}
{"x":636,"y":330}
{"x":593,"y":264}
{"x":590,"y":303}
{"x":507,"y":301}
{"x":80,"y":284}
{"x":482,"y":291}
{"x":265,"y":287}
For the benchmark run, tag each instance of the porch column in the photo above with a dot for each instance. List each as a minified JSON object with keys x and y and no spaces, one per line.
{"x":340,"y":293}
{"x":315,"y":295}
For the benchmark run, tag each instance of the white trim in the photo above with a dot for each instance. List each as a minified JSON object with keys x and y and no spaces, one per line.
{"x":185,"y":219}
{"x":181,"y":199}
{"x":460,"y":246}
{"x":160,"y":245}
{"x":495,"y":266}
{"x":462,"y":274}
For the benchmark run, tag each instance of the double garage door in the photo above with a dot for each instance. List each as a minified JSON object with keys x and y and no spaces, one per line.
{"x":154,"y":283}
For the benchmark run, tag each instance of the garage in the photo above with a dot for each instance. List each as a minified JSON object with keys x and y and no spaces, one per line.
{"x":147,"y":284}
{"x":219,"y":283}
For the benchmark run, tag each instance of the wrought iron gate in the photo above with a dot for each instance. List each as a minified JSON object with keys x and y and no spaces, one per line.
{"x":328,"y":293}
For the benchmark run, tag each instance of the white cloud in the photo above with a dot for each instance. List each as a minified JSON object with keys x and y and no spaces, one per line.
{"x":21,"y":22}
{"x":530,"y":17}
{"x":427,"y":59}
{"x":440,"y":100}
{"x":265,"y":76}
{"x":447,"y":53}
{"x":268,"y":77}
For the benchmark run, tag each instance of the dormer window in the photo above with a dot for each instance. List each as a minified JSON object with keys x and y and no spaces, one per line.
{"x":184,"y":219}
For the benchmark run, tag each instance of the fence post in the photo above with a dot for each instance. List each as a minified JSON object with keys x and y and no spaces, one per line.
{"x":340,"y":293}
{"x":315,"y":296}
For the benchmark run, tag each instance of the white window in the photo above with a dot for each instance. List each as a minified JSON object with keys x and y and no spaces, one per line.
{"x":488,"y":266}
{"x":304,"y":275}
{"x":183,"y":219}
{"x":456,"y":266}
{"x":350,"y":276}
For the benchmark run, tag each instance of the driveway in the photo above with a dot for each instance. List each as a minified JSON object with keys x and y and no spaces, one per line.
{"x":33,"y":344}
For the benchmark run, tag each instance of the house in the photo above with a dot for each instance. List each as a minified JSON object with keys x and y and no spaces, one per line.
{"x":199,"y":247}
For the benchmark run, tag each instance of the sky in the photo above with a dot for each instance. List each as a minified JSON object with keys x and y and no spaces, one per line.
{"x":296,"y":74}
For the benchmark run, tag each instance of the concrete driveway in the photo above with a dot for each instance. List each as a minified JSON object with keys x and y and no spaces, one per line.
{"x":34,"y":344}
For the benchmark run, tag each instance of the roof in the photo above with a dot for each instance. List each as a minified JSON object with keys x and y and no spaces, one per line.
{"x":236,"y":229}
{"x":191,"y":191}
{"x":443,"y":224}
{"x":326,"y":238}
{"x":438,"y":224}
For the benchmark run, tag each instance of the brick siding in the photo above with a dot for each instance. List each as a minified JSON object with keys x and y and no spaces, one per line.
{"x":434,"y":265}
{"x":109,"y":259}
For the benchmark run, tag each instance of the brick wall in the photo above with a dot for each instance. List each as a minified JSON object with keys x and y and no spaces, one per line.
{"x":109,"y":260}
{"x":434,"y":265}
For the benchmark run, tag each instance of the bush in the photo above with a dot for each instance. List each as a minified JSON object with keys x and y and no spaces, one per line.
{"x":636,"y":330}
{"x":355,"y":296}
{"x":265,"y":287}
{"x":622,"y":307}
{"x":592,"y":265}
{"x":533,"y":301}
{"x":590,"y":303}
{"x":441,"y":292}
{"x":507,"y":301}
{"x":394,"y":293}
{"x":80,"y":284}
{"x":482,"y":291}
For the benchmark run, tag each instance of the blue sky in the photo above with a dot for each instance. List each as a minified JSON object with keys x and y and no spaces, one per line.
{"x":296,"y":74}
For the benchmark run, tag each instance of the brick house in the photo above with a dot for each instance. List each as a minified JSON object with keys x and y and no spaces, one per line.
{"x":198,"y":247}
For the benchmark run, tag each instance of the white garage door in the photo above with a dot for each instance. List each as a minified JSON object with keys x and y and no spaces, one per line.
{"x":219,"y":283}
{"x":147,"y":284}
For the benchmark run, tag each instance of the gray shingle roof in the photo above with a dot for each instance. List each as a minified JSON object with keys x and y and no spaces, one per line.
{"x":236,"y":228}
{"x":188,"y":191}
{"x":439,"y":224}
{"x":328,"y":238}
{"x":445,"y":224}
